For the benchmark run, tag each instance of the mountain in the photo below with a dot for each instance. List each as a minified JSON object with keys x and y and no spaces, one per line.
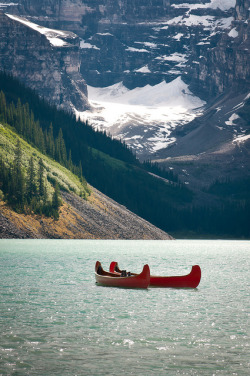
{"x":215,"y":145}
{"x":197,"y":49}
{"x":85,"y":212}
{"x":168,"y":77}
{"x":44,"y":59}
{"x":152,"y":193}
{"x":137,"y":41}
{"x":144,"y":117}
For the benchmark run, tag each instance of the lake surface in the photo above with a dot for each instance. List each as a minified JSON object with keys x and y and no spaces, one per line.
{"x":54,"y":319}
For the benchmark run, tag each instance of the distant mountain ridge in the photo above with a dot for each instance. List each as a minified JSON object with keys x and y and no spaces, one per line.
{"x":205,"y":43}
{"x":140,"y":42}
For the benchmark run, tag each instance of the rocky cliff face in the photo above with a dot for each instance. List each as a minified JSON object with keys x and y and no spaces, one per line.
{"x":144,"y":42}
{"x":217,"y":144}
{"x":45,"y":60}
{"x":137,"y":42}
{"x":226,"y":62}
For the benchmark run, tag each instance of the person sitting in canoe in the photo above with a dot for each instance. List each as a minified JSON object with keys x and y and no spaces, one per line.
{"x":124,"y":273}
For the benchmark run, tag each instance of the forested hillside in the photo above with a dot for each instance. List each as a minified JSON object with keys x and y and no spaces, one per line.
{"x":112,"y":168}
{"x":30,"y":181}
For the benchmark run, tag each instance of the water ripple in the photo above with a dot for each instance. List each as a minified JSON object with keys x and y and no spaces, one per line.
{"x":54,"y":320}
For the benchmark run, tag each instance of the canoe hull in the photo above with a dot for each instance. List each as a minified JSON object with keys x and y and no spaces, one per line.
{"x":139,"y":281}
{"x":190,"y":280}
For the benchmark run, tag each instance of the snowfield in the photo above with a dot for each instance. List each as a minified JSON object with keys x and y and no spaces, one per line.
{"x":143,"y":117}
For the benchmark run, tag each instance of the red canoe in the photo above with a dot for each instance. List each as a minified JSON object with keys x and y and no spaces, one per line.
{"x":190,"y":280}
{"x":138,"y":281}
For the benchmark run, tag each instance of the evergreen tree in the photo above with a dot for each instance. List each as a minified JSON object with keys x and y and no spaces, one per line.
{"x":10,"y":113}
{"x":17,"y":180}
{"x":80,"y":170}
{"x":18,"y":122}
{"x":3,"y":107}
{"x":4,"y":176}
{"x":61,"y":153}
{"x":50,"y":142}
{"x":70,"y":164}
{"x":41,"y":185}
{"x":56,"y":202}
{"x":31,"y":183}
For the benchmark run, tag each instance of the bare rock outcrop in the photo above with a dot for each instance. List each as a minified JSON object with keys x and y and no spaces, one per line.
{"x":45,"y":60}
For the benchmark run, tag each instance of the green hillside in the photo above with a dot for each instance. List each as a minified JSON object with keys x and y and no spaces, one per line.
{"x":53,"y":174}
{"x":53,"y":170}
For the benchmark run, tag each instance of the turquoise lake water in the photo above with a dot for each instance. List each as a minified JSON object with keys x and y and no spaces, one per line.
{"x":54,"y":319}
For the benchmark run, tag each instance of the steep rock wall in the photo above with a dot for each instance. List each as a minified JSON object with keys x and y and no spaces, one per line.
{"x":47,"y":64}
{"x":137,"y":41}
{"x":144,"y":42}
{"x":227,"y":63}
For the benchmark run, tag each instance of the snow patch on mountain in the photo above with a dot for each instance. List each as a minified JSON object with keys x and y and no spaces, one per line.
{"x":222,"y":4}
{"x":132,"y":49}
{"x":54,"y":36}
{"x":177,"y":57}
{"x":241,"y":139}
{"x":5,"y":5}
{"x":214,"y":4}
{"x":144,"y":69}
{"x":84,"y":44}
{"x":143,"y":117}
{"x":233,"y":33}
{"x":206,"y":21}
{"x":232,"y":118}
{"x":172,"y":94}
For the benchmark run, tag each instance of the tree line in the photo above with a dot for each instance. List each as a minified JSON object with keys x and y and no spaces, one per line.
{"x":26,"y":191}
{"x":76,"y":132}
{"x":22,"y":119}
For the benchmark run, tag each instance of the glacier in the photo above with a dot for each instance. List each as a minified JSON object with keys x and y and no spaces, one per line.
{"x":143,"y":117}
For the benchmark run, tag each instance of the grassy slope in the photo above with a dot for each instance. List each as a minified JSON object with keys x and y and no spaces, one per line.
{"x":55,"y":172}
{"x":36,"y":225}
